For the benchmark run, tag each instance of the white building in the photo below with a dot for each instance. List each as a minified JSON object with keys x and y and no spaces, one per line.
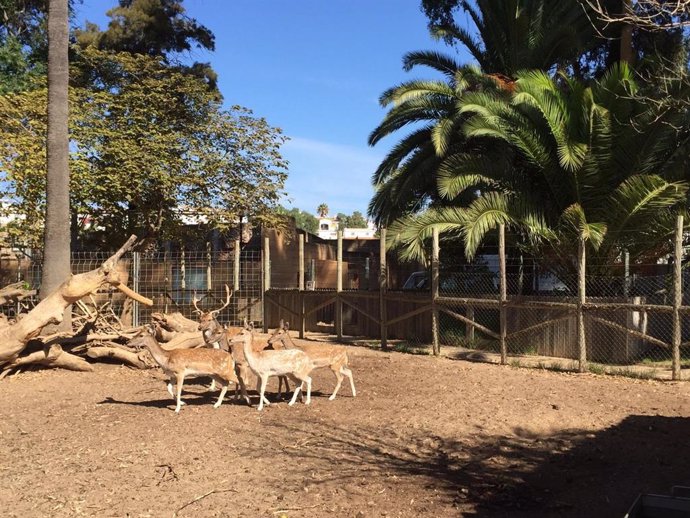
{"x":328,"y":229}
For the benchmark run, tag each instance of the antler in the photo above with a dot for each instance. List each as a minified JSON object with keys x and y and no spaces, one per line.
{"x":228,"y":294}
{"x":194,"y":301}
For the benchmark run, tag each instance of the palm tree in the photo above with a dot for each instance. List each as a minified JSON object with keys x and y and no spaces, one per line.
{"x":513,"y":34}
{"x":565,"y":162}
{"x":56,"y":263}
{"x":322,"y":210}
{"x":405,"y":180}
{"x":516,"y":35}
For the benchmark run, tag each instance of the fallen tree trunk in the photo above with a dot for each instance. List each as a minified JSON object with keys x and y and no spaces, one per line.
{"x":185,"y":341}
{"x":15,"y":292}
{"x":135,"y":359}
{"x":52,"y":356}
{"x":175,"y":322}
{"x":14,"y":337}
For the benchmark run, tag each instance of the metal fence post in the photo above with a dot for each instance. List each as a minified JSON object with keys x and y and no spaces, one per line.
{"x":266,"y":280}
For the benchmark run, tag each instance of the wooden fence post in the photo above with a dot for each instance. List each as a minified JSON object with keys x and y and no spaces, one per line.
{"x":267,"y":280}
{"x":504,"y":291}
{"x":434,"y":292}
{"x":677,"y":297}
{"x":581,"y":299}
{"x":302,"y":316}
{"x":383,"y":289}
{"x":339,"y":288}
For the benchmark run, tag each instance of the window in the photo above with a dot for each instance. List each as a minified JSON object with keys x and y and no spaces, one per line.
{"x":324,"y":226}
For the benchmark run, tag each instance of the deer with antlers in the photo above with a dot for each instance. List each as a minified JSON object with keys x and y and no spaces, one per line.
{"x":215,"y":336}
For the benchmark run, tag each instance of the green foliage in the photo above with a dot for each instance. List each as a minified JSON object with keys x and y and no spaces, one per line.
{"x":356,"y":220}
{"x":322,"y":210}
{"x":303,"y":220}
{"x":148,"y":152}
{"x":578,"y":162}
{"x":155,"y":28}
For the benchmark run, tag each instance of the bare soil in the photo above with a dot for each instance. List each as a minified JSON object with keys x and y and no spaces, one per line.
{"x":424,"y":437}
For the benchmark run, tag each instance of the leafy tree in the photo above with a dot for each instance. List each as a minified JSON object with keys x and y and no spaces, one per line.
{"x":303,"y":220}
{"x":23,"y":43}
{"x":150,"y":150}
{"x":565,"y":162}
{"x":155,"y":28}
{"x":512,"y":35}
{"x":356,"y":220}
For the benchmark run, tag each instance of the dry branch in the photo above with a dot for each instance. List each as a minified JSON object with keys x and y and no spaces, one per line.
{"x":15,"y":292}
{"x":185,"y":341}
{"x":176,"y":322}
{"x":14,"y":337}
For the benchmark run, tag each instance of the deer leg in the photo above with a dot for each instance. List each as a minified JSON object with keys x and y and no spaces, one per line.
{"x":345,"y":370}
{"x":264,"y":381}
{"x":243,"y":388}
{"x":222,"y":394}
{"x":339,"y":378}
{"x":180,"y":382}
{"x":307,"y":380}
{"x":298,"y":387}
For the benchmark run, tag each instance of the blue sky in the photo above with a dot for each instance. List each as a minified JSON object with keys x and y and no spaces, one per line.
{"x":314,"y":68}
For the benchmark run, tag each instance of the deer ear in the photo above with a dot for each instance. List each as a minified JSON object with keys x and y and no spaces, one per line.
{"x":281,"y":324}
{"x":286,"y":326}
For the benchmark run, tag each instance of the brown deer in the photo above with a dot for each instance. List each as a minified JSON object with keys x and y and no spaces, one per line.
{"x":323,"y":355}
{"x":180,"y":363}
{"x":215,"y":336}
{"x":289,"y":362}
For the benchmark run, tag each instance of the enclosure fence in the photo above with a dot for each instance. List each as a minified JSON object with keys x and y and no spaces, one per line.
{"x":633,"y":324}
{"x":636,"y":324}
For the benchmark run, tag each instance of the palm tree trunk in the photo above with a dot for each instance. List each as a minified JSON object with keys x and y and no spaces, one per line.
{"x":56,"y":263}
{"x":626,"y":44}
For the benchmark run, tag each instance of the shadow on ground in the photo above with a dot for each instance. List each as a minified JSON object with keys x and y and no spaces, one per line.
{"x":571,"y":474}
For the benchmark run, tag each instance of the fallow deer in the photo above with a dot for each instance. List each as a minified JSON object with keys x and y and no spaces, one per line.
{"x":323,"y":355}
{"x":180,"y":363}
{"x":289,"y":362}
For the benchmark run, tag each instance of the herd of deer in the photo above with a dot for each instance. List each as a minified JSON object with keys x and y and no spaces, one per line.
{"x":232,"y":353}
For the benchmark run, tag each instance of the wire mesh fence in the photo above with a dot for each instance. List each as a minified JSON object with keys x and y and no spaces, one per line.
{"x":170,"y":279}
{"x":628,"y":313}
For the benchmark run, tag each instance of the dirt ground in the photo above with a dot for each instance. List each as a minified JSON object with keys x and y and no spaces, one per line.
{"x":424,"y":437}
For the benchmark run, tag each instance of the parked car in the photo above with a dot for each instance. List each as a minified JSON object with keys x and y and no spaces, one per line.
{"x":474,"y":280}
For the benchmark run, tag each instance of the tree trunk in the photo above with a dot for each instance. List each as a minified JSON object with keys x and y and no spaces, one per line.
{"x":627,"y":53}
{"x":56,"y":260}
